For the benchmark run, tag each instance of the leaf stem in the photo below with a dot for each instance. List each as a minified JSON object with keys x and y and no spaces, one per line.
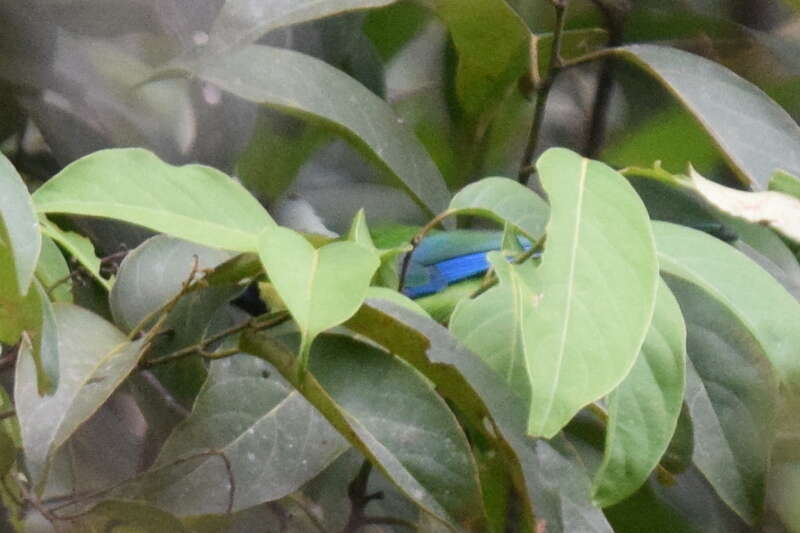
{"x":543,"y":90}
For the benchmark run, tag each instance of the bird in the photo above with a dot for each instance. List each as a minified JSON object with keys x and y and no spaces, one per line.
{"x":447,"y":258}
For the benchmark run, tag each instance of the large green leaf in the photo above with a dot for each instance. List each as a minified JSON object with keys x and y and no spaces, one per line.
{"x":22,"y":235}
{"x":393,"y":416}
{"x":241,"y":22}
{"x":596,"y":289}
{"x":537,"y":473}
{"x":193,"y":202}
{"x":753,"y":133}
{"x":94,"y":359}
{"x":643,"y":411}
{"x":274,"y":439}
{"x":505,"y":201}
{"x":731,"y":391}
{"x":493,"y":45}
{"x":760,"y":303}
{"x":321,"y":287}
{"x":301,"y":85}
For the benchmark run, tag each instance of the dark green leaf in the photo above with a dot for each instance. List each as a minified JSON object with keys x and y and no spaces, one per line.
{"x":305,"y":86}
{"x":274,"y":439}
{"x":728,"y":107}
{"x":731,"y":391}
{"x":765,"y":308}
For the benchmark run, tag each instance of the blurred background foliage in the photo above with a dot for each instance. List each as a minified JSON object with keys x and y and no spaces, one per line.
{"x":74,"y":79}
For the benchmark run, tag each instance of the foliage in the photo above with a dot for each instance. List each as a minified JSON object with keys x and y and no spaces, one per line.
{"x":179,"y":356}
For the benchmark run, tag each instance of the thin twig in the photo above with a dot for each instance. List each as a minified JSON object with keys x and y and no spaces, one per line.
{"x":271,"y":320}
{"x":435,"y":221}
{"x":615,"y":20}
{"x":542,"y":92}
{"x":169,"y":304}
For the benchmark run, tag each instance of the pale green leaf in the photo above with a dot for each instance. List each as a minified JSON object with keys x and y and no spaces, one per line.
{"x":769,"y":312}
{"x":505,"y":201}
{"x":596,"y":289}
{"x":301,"y":85}
{"x":775,"y":209}
{"x":754,"y":134}
{"x":643,"y":411}
{"x":321,"y":287}
{"x":22,"y":235}
{"x":192,"y":202}
{"x":491,"y":325}
{"x":94,"y":359}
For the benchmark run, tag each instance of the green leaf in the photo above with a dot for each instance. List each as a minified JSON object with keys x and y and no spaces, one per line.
{"x":242,"y":22}
{"x":493,"y":45}
{"x":274,"y":439}
{"x":505,"y":201}
{"x":359,"y":389}
{"x":491,"y":325}
{"x":597,"y":286}
{"x":78,"y":246}
{"x":121,"y":515}
{"x":725,"y":105}
{"x":775,"y":209}
{"x":94,"y":359}
{"x":321,"y":288}
{"x":153,"y":273}
{"x":192,"y":202}
{"x":304,"y":86}
{"x":769,"y":251}
{"x":21,"y":236}
{"x":765,"y":308}
{"x":53,"y":272}
{"x":643,"y":411}
{"x":483,"y":400}
{"x":42,"y":337}
{"x":731,"y":391}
